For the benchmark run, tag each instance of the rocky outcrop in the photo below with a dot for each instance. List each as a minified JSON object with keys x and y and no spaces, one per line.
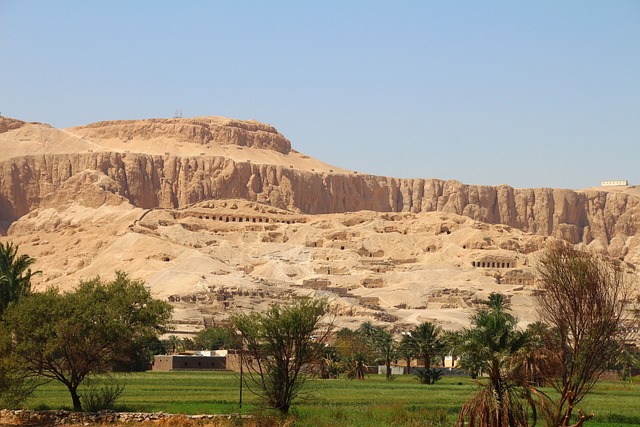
{"x":604,"y":219}
{"x":7,"y":124}
{"x":200,"y":130}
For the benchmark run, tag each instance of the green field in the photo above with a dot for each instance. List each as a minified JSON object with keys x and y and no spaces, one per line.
{"x":341,"y":402}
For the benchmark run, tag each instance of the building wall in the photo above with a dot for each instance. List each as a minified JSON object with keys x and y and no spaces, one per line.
{"x":162,"y":363}
{"x":612,"y":183}
{"x":176,"y":362}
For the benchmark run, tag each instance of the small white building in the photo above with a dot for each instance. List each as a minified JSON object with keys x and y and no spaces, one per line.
{"x":622,"y":182}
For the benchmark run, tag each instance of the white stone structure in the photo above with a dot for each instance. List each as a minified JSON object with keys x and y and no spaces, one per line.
{"x":614,"y":183}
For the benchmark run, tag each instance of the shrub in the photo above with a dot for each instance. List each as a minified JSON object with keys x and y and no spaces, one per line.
{"x":103,"y":398}
{"x":428,"y":376}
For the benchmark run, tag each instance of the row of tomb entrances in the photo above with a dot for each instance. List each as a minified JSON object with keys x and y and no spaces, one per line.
{"x":493,"y":264}
{"x":246,"y":219}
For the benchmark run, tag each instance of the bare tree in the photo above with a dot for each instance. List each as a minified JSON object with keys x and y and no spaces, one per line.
{"x":583,"y":299}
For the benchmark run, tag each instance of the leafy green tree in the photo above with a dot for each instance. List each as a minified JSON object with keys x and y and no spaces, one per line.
{"x":583,"y":298}
{"x":627,"y":360}
{"x":493,"y":341}
{"x":187,"y":344}
{"x":424,"y":342}
{"x":97,"y":327}
{"x":280,"y":342}
{"x":156,"y":347}
{"x":213,"y":338}
{"x":15,"y":275}
{"x":15,"y":387}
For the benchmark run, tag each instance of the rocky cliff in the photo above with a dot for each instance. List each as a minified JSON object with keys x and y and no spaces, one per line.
{"x":200,"y":130}
{"x":607,"y":221}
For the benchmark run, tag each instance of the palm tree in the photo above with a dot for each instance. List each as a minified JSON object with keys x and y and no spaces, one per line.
{"x":353,"y":351}
{"x":15,"y":275}
{"x":385,"y":347}
{"x":355,"y":365}
{"x":380,"y":342}
{"x":451,"y":343}
{"x":497,"y":302}
{"x":367,"y":329}
{"x":493,"y":341}
{"x":535,"y":352}
{"x":174,"y":343}
{"x":424,"y":341}
{"x":405,"y":349}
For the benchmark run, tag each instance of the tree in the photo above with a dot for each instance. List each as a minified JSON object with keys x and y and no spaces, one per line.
{"x":535,"y":354}
{"x":15,"y":275}
{"x":329,"y":367}
{"x":491,"y":344}
{"x":367,"y":329}
{"x":97,"y":327}
{"x":15,"y":387}
{"x":451,"y":344}
{"x":15,"y":283}
{"x":281,"y":342}
{"x":354,"y":351}
{"x":173,"y":343}
{"x":405,"y":350}
{"x":187,"y":344}
{"x":213,"y":338}
{"x":381,"y":343}
{"x":424,"y":341}
{"x":583,"y":299}
{"x":627,"y":360}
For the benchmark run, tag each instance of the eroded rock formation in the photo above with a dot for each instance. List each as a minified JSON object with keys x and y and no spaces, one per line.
{"x":609,"y":221}
{"x":201,"y":130}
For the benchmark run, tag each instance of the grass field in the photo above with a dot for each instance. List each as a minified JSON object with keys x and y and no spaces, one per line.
{"x":341,"y":402}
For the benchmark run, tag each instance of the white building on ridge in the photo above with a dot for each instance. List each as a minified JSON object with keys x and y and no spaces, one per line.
{"x":623,"y":182}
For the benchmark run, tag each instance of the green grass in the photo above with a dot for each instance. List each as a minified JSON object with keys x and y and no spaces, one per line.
{"x":341,"y":402}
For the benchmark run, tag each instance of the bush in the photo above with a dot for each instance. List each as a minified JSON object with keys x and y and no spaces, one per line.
{"x":103,"y":398}
{"x":427,"y":376}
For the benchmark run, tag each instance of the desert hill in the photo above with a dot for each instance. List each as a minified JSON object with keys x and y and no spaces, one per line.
{"x":218,"y":214}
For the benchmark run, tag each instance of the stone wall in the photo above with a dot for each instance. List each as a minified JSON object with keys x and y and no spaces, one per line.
{"x":65,"y":418}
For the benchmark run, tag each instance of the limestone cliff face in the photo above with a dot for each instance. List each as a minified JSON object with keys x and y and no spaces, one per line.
{"x":608,"y":221}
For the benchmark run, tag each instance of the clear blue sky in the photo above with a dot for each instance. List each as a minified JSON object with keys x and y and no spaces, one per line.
{"x":525,"y":93}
